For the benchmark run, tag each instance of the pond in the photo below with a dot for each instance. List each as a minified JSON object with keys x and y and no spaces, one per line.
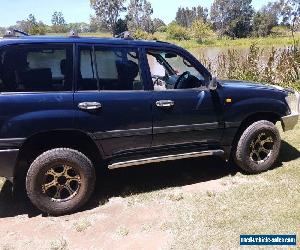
{"x":212,"y":53}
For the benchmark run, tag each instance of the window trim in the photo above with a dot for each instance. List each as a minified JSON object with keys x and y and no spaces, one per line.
{"x":37,"y":45}
{"x":143,"y":74}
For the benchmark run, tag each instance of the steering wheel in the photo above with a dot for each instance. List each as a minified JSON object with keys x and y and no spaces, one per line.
{"x":185,"y":75}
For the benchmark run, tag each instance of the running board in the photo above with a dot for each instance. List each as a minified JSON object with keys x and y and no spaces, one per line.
{"x":124,"y":164}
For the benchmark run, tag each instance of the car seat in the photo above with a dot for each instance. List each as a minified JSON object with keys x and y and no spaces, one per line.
{"x":127,"y":72}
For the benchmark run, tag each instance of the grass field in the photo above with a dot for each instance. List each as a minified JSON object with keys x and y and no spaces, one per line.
{"x":212,"y":42}
{"x":214,"y":217}
{"x":225,"y":42}
{"x":188,"y":204}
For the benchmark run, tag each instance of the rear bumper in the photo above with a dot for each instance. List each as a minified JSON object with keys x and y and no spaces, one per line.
{"x":289,"y":122}
{"x":8,"y":159}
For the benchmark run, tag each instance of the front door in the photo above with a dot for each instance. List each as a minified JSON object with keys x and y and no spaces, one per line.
{"x":185,"y":111}
{"x":112,"y":102}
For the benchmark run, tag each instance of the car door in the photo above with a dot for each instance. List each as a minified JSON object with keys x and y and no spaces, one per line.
{"x":36,"y":92}
{"x":112,"y":101}
{"x":186,"y":114}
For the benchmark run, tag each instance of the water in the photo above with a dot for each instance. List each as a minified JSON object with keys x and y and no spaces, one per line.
{"x":212,"y":53}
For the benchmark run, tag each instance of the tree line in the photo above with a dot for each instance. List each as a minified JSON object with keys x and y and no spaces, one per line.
{"x":232,"y":18}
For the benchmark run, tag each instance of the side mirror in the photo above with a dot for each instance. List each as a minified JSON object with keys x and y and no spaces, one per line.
{"x":213,"y":84}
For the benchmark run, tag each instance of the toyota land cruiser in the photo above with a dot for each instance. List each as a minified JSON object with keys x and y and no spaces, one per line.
{"x":71,"y":105}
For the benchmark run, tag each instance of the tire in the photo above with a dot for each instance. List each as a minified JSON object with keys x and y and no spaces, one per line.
{"x":255,"y":151}
{"x":60,"y":181}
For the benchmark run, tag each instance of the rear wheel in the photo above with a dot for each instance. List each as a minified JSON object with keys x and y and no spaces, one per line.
{"x":60,"y":181}
{"x":258,"y":147}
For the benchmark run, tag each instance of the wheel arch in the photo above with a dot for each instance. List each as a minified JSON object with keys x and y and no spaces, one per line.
{"x":250,"y":119}
{"x":43,"y":141}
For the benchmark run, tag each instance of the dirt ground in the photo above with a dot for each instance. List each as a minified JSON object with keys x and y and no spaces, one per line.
{"x":112,"y":219}
{"x":160,"y":206}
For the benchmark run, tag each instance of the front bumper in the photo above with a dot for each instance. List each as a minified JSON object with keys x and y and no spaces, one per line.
{"x":8,"y":160}
{"x":289,"y":122}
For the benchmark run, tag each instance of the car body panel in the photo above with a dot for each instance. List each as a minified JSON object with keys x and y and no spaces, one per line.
{"x":192,"y":119}
{"x":124,"y":121}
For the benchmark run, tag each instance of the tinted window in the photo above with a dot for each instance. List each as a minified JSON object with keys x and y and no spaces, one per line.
{"x":109,"y":69}
{"x":39,"y":68}
{"x":87,"y":79}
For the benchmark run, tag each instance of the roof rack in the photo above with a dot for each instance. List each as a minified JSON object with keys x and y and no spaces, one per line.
{"x":124,"y":35}
{"x":73,"y":34}
{"x":12,"y":33}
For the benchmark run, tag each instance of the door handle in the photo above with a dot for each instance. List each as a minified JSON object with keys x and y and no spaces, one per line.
{"x":89,"y":105}
{"x":165,"y":103}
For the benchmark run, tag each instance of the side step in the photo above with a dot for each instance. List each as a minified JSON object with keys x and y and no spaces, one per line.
{"x":137,"y":162}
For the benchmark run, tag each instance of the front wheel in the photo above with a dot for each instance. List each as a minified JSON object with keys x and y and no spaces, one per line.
{"x":60,"y":181}
{"x":258,"y":147}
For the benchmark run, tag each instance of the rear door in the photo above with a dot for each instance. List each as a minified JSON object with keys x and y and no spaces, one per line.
{"x":112,"y":100}
{"x":36,"y":90}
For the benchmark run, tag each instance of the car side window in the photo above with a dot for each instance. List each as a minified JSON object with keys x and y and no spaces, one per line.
{"x":109,"y":69}
{"x":171,"y":71}
{"x":36,"y":68}
{"x":87,"y":79}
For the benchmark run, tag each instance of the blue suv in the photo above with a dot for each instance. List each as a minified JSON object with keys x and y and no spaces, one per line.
{"x":71,"y":105}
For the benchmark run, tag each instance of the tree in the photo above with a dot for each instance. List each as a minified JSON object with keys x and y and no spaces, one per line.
{"x":95,"y":25}
{"x":177,"y":32}
{"x":58,"y":22}
{"x":108,"y":12}
{"x":232,"y":17}
{"x":200,"y":30}
{"x":33,"y":26}
{"x":139,"y":16}
{"x":291,"y":14}
{"x":30,"y":25}
{"x":121,"y":25}
{"x":22,"y":25}
{"x":2,"y":30}
{"x":185,"y":16}
{"x":265,"y":19}
{"x":79,"y":27}
{"x":201,"y":13}
{"x":158,"y":23}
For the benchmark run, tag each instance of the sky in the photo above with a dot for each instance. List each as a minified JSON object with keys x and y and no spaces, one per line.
{"x":80,"y":11}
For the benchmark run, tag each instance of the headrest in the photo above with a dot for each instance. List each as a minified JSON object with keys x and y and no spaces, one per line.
{"x":63,"y":67}
{"x":127,"y":69}
{"x":37,"y":79}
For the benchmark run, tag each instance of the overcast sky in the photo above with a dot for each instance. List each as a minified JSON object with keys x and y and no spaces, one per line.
{"x":80,"y":11}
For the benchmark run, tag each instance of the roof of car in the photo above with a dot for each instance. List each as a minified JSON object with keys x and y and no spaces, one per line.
{"x":93,"y":40}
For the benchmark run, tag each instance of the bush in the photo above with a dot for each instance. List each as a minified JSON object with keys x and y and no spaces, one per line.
{"x":177,"y":32}
{"x":282,"y":66}
{"x":143,"y":35}
{"x":280,"y":31}
{"x":162,"y":29}
{"x":201,"y":30}
{"x":37,"y":30}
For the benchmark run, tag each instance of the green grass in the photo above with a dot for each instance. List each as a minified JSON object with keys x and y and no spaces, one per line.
{"x":225,"y":42}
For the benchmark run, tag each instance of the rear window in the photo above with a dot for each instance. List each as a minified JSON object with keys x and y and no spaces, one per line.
{"x":39,"y":68}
